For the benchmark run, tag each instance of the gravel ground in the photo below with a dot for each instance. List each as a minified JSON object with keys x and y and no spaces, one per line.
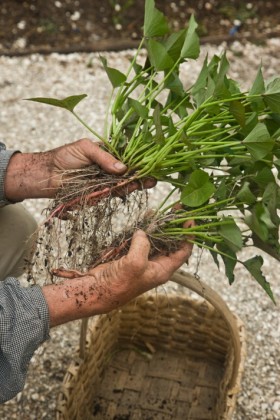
{"x":33,"y":127}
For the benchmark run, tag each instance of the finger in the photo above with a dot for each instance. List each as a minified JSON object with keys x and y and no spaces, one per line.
{"x":173,"y":261}
{"x":189,"y":224}
{"x":138,"y":253}
{"x":67,"y":274}
{"x":135,"y":185}
{"x":104,"y":159}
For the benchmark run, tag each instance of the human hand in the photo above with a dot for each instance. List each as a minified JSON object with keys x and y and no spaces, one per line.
{"x":111,"y":285}
{"x":38,"y":175}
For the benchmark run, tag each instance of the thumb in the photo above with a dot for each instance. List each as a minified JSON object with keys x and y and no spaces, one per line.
{"x":139,"y":249}
{"x":104,"y":159}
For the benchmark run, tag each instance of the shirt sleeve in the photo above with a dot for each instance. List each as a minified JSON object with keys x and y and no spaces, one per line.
{"x":5,"y":156}
{"x":24,"y":326}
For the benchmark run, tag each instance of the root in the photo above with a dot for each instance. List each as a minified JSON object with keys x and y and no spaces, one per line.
{"x":75,"y":232}
{"x":78,"y":235}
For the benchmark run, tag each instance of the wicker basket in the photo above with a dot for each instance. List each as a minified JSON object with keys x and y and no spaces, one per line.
{"x":159,"y":357}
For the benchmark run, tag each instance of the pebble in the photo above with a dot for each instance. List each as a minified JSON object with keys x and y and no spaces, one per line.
{"x":75,"y":16}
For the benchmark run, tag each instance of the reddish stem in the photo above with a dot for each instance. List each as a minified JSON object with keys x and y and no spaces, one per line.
{"x":67,"y":274}
{"x":90,"y":199}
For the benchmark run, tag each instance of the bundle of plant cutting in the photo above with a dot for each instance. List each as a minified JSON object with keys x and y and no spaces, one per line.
{"x":217,"y":146}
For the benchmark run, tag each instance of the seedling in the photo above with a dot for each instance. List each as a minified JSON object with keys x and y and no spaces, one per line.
{"x":216,"y":145}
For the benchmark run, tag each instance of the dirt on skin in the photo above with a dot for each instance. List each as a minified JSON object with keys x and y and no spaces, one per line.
{"x":82,"y":227}
{"x":76,"y":239}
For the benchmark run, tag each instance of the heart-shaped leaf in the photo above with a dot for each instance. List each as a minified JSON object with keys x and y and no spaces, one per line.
{"x":231,"y":234}
{"x":140,"y":109}
{"x":116,"y":77}
{"x":159,"y":57}
{"x":260,"y":221}
{"x":259,"y":142}
{"x":272,"y":95}
{"x":245,"y":194}
{"x":191,"y":46}
{"x":174,"y":44}
{"x":238,"y":111}
{"x":198,"y":190}
{"x":155,"y":23}
{"x":258,"y":86}
{"x":68,"y":103}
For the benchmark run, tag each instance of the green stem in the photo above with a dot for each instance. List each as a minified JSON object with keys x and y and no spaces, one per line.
{"x":91,"y":129}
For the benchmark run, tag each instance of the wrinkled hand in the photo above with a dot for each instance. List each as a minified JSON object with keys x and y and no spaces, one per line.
{"x":38,"y":175}
{"x":134,"y":274}
{"x":111,"y":285}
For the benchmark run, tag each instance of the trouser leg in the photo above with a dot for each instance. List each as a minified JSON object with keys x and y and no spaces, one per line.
{"x":17,"y":235}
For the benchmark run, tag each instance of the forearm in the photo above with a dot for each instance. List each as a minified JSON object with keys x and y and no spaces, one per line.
{"x":28,"y":176}
{"x":76,"y":298}
{"x":39,"y":175}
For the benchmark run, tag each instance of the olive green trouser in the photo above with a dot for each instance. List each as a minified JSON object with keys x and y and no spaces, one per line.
{"x":17,"y":229}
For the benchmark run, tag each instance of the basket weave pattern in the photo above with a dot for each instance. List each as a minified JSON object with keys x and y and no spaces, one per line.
{"x":160,"y":357}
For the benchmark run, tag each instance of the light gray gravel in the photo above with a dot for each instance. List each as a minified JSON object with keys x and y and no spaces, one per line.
{"x":33,"y":127}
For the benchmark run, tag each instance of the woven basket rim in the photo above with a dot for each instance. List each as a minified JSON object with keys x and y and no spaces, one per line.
{"x":234,"y":323}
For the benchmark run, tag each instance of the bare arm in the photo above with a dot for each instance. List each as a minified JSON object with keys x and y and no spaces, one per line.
{"x":111,"y":285}
{"x":39,"y":175}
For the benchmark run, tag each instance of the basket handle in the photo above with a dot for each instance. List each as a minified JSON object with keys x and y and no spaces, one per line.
{"x":202,"y":289}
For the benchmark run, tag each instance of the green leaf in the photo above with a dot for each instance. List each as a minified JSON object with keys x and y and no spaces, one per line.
{"x":277,"y":165}
{"x":159,"y":57}
{"x":198,"y":190}
{"x":116,"y":77}
{"x":245,"y":194}
{"x":222,"y":190}
{"x":271,"y":200}
{"x":259,"y":142}
{"x":229,"y":259}
{"x":260,"y":221}
{"x":201,"y":81}
{"x":140,"y":109}
{"x":272,"y":250}
{"x":272,"y":123}
{"x":68,"y":103}
{"x":136,"y":67}
{"x":174,"y":44}
{"x":238,"y":111}
{"x":221,"y":85}
{"x":174,"y":84}
{"x":263,"y":177}
{"x":251,"y":122}
{"x":231,"y":234}
{"x":159,"y":137}
{"x":155,"y":23}
{"x":254,"y":266}
{"x":233,"y":87}
{"x":191,"y":46}
{"x":258,"y":86}
{"x":272,"y":95}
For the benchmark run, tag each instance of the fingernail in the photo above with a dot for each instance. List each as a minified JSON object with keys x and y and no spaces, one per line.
{"x":120,"y":166}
